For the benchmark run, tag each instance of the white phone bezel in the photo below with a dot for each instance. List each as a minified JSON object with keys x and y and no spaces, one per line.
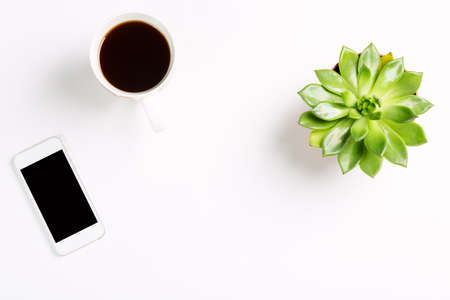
{"x":36,"y":153}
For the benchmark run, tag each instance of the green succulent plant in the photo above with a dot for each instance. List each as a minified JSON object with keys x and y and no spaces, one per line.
{"x":363,"y":110}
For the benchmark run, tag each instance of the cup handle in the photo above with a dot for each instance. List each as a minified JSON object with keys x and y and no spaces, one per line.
{"x":153,"y":115}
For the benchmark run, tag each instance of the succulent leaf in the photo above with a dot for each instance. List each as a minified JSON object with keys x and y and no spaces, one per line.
{"x":364,"y":80}
{"x":360,"y":129}
{"x":370,"y":163}
{"x":314,"y":94}
{"x":386,"y":58}
{"x":370,"y":58}
{"x":398,"y":113}
{"x":363,"y":111}
{"x":350,"y":155}
{"x":332,"y":81}
{"x":396,"y":151}
{"x":411,"y":133}
{"x":348,"y":64}
{"x":375,"y":140}
{"x":330,"y":111}
{"x":316,"y":137}
{"x":375,"y":115}
{"x":349,"y":99}
{"x":418,"y":105}
{"x":354,"y":114}
{"x":408,"y":84}
{"x":390,"y":73}
{"x":336,"y":138}
{"x":309,"y":120}
{"x":368,"y":67}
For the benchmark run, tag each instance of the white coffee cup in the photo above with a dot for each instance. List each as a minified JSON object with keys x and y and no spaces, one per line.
{"x":138,"y":97}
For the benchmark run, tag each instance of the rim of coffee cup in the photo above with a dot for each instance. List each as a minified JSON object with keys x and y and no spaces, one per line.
{"x":94,"y":54}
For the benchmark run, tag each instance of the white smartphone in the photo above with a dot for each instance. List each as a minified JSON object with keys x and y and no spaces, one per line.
{"x":58,"y":195}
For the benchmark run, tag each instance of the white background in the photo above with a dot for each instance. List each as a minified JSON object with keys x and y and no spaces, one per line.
{"x":230,"y":202}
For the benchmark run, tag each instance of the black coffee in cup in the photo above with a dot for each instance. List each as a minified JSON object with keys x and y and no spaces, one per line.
{"x":134,"y":56}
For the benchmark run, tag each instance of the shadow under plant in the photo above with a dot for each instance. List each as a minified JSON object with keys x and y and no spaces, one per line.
{"x":292,"y":144}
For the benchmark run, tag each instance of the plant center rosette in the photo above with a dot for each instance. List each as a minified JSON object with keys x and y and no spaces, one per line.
{"x":363,"y":110}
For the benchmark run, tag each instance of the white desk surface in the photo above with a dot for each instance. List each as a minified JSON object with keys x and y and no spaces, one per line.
{"x":230,"y":202}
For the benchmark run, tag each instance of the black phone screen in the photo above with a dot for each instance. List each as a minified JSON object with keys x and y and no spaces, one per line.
{"x":58,"y":195}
